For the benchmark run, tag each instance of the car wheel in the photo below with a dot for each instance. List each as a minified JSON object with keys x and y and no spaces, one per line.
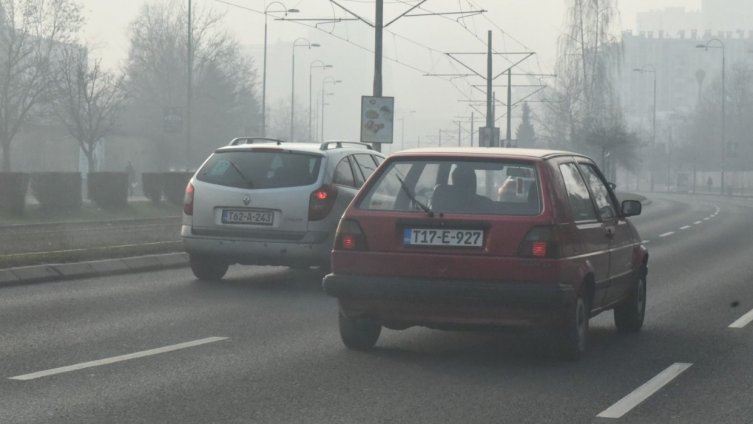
{"x":358,"y":333}
{"x":207,"y":269}
{"x":628,"y":316}
{"x":575,"y":334}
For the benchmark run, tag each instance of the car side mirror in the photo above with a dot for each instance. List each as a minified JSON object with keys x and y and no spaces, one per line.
{"x":631,"y":208}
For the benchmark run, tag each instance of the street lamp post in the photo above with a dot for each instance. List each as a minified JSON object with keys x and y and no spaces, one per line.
{"x":708,"y":46}
{"x":327,"y":80}
{"x":315,"y":64}
{"x":650,"y":69}
{"x":305,"y":43}
{"x":285,"y":10}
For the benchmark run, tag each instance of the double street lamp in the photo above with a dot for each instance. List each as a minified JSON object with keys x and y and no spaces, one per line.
{"x":651,"y":70}
{"x":319,"y":65}
{"x":325,"y":81}
{"x":299,"y":42}
{"x":706,"y":47}
{"x":285,"y":11}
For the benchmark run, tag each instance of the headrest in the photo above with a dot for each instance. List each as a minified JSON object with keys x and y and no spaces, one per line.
{"x":464,"y":177}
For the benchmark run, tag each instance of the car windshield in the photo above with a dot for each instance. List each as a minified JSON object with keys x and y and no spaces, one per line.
{"x":261,"y":169}
{"x":456,"y":186}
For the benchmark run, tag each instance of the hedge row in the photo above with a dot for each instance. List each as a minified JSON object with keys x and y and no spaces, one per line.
{"x":109,"y":190}
{"x":13,"y":187}
{"x":170,"y":185}
{"x":61,"y":191}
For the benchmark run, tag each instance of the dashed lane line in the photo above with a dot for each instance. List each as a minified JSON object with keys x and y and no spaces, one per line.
{"x":645,"y":391}
{"x":667,"y":234}
{"x":697,"y":223}
{"x":742,"y":321}
{"x":685,"y":227}
{"x":115,"y":359}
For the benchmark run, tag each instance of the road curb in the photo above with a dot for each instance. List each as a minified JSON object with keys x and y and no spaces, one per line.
{"x":68,"y":271}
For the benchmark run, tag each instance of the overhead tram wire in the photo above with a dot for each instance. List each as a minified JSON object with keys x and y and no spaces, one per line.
{"x":440,"y":54}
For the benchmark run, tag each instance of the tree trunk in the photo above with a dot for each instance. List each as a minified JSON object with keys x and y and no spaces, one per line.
{"x":6,"y":157}
{"x":91,"y":160}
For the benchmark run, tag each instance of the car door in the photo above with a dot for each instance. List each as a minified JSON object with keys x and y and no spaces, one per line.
{"x":588,"y":229}
{"x":616,"y":230}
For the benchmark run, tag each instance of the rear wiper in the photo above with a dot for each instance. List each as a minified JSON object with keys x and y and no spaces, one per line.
{"x":412,"y":197}
{"x":242,"y":175}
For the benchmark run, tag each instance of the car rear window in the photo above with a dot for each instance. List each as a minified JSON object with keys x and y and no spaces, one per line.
{"x":261,"y":169}
{"x":456,"y":186}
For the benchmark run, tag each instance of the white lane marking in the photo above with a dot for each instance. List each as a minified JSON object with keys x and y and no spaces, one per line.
{"x":115,"y":359}
{"x":697,"y":223}
{"x":685,"y":227}
{"x":666,"y":234}
{"x":624,"y":405}
{"x":742,"y":321}
{"x":646,"y":241}
{"x":706,"y":219}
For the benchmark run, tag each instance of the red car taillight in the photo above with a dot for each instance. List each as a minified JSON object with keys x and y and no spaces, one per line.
{"x":188,"y":200}
{"x":321,"y":201}
{"x":350,"y":236}
{"x":540,"y":242}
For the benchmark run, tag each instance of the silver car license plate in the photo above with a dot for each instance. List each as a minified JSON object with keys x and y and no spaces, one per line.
{"x":247,"y":216}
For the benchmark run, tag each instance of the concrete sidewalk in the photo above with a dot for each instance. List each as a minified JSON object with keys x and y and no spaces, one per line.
{"x":73,"y":270}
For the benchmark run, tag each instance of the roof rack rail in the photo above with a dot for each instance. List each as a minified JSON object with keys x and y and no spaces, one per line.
{"x":252,"y":140}
{"x":339,"y":144}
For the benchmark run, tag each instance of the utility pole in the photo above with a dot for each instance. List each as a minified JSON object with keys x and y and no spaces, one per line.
{"x":489,"y":100}
{"x":471,"y":129}
{"x":379,"y":26}
{"x":378,"y":32}
{"x":189,"y":88}
{"x":508,"y":139}
{"x":458,"y":133}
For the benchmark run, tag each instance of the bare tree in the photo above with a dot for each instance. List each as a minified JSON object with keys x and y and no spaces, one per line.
{"x":87,"y":99}
{"x":31,"y":32}
{"x":224,"y":101}
{"x":584,"y":112}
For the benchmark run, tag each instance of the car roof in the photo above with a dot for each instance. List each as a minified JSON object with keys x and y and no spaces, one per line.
{"x":320,"y":148}
{"x":480,"y":152}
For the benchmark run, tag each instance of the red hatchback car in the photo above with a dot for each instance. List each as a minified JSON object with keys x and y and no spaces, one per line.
{"x":463,"y":238}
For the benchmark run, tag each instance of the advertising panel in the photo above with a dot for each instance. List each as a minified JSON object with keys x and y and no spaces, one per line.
{"x":377,"y":119}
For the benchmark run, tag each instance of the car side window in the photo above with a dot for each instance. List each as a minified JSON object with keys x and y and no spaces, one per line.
{"x":366,"y":165}
{"x":344,"y":174}
{"x":600,"y":192}
{"x":577,"y":193}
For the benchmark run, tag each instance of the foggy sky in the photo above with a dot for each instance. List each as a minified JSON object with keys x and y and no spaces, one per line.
{"x":532,"y":25}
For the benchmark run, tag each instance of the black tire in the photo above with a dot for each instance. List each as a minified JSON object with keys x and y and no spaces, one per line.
{"x":207,"y":269}
{"x":574,"y":337}
{"x":629,"y":315}
{"x":358,"y":333}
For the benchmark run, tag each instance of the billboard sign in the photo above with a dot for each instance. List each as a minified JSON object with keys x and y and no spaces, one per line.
{"x":377,"y":119}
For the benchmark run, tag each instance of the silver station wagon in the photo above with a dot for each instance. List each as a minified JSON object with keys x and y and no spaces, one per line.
{"x":264,"y":202}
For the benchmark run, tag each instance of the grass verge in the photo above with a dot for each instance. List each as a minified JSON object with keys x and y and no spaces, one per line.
{"x":90,"y":254}
{"x":89,"y":212}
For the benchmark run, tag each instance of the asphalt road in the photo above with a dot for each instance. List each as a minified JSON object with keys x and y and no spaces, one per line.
{"x":263,"y":346}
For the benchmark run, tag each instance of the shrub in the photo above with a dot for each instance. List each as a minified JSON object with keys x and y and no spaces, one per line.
{"x":13,"y":187}
{"x":151,"y":184}
{"x":109,"y":190}
{"x":174,"y":186}
{"x":57,"y":191}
